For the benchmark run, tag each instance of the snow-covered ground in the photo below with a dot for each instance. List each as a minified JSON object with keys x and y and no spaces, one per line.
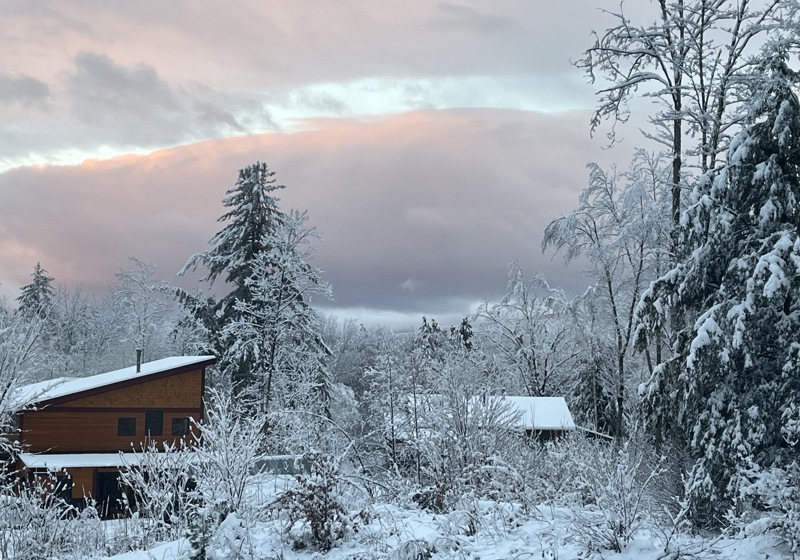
{"x":391,"y":529}
{"x":497,"y":532}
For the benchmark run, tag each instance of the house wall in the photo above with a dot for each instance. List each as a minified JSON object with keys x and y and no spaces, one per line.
{"x":82,"y":482}
{"x":89,"y":431}
{"x":89,"y":424}
{"x":184,"y":390}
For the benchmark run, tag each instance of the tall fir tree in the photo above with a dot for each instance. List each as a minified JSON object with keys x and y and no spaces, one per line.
{"x":264,"y":326}
{"x":729,"y":394}
{"x":253,"y":219}
{"x":35,"y":298}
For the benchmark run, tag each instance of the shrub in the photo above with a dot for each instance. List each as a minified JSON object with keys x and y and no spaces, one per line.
{"x":776,"y":492}
{"x":315,"y":504}
{"x":618,"y":504}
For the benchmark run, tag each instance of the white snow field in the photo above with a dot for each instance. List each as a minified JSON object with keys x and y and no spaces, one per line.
{"x":503,"y":534}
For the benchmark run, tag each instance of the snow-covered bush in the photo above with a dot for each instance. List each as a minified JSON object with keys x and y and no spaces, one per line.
{"x":315,"y":506}
{"x":33,"y":521}
{"x":557,"y":471}
{"x":162,"y":485}
{"x":416,"y":549}
{"x":204,"y":534}
{"x":777,"y":491}
{"x":618,"y":503}
{"x":493,"y":478}
{"x":231,"y":444}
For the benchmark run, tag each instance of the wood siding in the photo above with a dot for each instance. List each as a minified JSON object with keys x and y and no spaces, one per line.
{"x":82,"y":482}
{"x":88,"y":431}
{"x":184,"y":390}
{"x":89,"y":424}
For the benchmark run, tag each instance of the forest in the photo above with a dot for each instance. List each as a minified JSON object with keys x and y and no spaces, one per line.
{"x":680,"y":364}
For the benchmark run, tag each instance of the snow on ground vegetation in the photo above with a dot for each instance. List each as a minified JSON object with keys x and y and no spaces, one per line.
{"x":576,"y":499}
{"x":501,"y":533}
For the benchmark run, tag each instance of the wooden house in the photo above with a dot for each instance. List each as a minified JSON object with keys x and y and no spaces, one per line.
{"x":84,"y":430}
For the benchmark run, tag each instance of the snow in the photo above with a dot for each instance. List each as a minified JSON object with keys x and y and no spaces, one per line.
{"x":59,"y":462}
{"x":540,"y":413}
{"x":706,"y":328}
{"x":504,"y":533}
{"x":32,"y":392}
{"x":36,"y":393}
{"x":529,"y":413}
{"x":479,"y":529}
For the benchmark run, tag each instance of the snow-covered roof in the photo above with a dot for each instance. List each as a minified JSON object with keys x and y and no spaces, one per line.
{"x":34,"y":393}
{"x":529,"y":413}
{"x":60,"y":461}
{"x":30,"y":393}
{"x":57,"y":462}
{"x":540,"y":413}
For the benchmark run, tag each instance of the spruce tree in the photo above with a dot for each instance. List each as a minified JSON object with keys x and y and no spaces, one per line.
{"x":729,"y":393}
{"x":263,"y":329}
{"x":37,"y":296}
{"x":252,"y":220}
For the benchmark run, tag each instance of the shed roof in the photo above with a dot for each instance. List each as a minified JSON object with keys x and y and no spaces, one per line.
{"x":46,"y":391}
{"x":540,"y":413}
{"x":527,"y":413}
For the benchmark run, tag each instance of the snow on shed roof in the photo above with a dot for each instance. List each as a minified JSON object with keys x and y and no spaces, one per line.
{"x":34,"y":393}
{"x":528,"y":413}
{"x":540,"y":413}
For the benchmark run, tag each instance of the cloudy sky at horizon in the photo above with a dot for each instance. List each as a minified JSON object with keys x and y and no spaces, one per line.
{"x":430,"y":142}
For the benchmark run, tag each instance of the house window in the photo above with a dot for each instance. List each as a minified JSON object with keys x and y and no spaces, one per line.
{"x":154,"y":422}
{"x":126,"y":426}
{"x":180,"y":426}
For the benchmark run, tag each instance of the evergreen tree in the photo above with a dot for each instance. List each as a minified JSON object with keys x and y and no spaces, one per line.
{"x":37,"y":296}
{"x":729,"y":395}
{"x":253,"y":219}
{"x":264,"y":327}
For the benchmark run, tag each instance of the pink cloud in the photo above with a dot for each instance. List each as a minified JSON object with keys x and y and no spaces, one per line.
{"x":447,"y":198}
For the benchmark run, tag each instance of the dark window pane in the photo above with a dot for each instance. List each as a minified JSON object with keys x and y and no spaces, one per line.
{"x":180,"y":426}
{"x":154,"y":422}
{"x":126,"y":426}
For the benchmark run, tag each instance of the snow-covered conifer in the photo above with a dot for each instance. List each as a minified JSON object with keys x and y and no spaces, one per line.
{"x":35,"y":298}
{"x":264,"y":330}
{"x":732,"y":385}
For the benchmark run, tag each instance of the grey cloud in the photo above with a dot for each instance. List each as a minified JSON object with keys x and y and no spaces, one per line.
{"x":214,"y":115}
{"x":470,"y":19}
{"x":102,"y":88}
{"x":123,"y":107}
{"x":80,"y":123}
{"x":292,"y":44}
{"x":22,"y":89}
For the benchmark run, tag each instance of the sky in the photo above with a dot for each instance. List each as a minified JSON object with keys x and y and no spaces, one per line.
{"x":430,"y":142}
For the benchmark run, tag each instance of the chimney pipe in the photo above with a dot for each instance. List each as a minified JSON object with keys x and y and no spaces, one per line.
{"x":138,"y":360}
